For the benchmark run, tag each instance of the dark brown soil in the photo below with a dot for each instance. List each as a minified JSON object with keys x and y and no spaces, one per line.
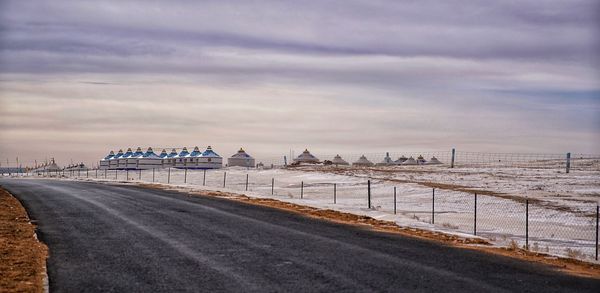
{"x":22,"y":256}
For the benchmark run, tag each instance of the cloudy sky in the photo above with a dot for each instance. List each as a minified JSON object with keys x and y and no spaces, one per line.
{"x":79,"y":78}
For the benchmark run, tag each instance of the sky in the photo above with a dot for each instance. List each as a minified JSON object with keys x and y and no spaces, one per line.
{"x":81,"y":78}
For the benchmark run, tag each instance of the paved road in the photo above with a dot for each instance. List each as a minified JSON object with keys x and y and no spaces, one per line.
{"x":129,"y":239}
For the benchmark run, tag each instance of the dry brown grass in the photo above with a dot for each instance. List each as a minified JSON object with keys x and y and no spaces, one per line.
{"x":22,"y":256}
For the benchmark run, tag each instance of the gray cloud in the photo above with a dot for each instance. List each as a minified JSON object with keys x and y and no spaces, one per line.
{"x":296,"y":72}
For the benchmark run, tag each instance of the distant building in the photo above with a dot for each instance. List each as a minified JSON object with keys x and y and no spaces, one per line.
{"x":387,"y":161}
{"x":306,"y":157}
{"x":180,"y":159}
{"x":113,"y":163}
{"x":241,"y":159}
{"x":433,"y":161}
{"x":362,"y":162}
{"x":105,"y":162}
{"x":410,"y":161}
{"x":210,"y":160}
{"x":148,"y":160}
{"x":338,"y":161}
{"x":123,"y":159}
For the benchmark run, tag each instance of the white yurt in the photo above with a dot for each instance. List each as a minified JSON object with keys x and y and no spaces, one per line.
{"x":133,"y":160}
{"x":191,"y":160}
{"x":362,"y":162}
{"x":410,"y":161}
{"x":210,"y":160}
{"x":149,"y":160}
{"x":105,"y":162}
{"x":113,"y":163}
{"x":123,"y":159}
{"x":387,"y":161}
{"x":306,"y":157}
{"x":53,"y":167}
{"x":169,"y":160}
{"x":180,"y":158}
{"x":421,"y":160}
{"x":433,"y":161}
{"x":400,"y":160}
{"x":241,"y":159}
{"x":338,"y":161}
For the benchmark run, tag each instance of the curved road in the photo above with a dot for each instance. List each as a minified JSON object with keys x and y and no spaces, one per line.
{"x":129,"y":239}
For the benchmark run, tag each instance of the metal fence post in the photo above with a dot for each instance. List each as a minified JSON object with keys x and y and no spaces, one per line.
{"x":597,"y":214}
{"x":105,"y":172}
{"x":116,"y":174}
{"x":475,"y":216}
{"x":152,"y":175}
{"x":87,"y":173}
{"x":334,"y":193}
{"x":568,"y":162}
{"x":140,"y":175}
{"x":394,"y":200}
{"x":452,"y":161}
{"x":272,"y":186}
{"x":302,"y":189}
{"x":204,"y":178}
{"x":127,"y":175}
{"x":224,"y":178}
{"x":433,"y":206}
{"x":185,"y":175}
{"x":246,"y":182}
{"x":169,"y":176}
{"x":96,"y":173}
{"x":527,"y":224}
{"x":369,"y":193}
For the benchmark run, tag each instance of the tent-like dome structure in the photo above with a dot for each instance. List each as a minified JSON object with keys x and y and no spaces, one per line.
{"x":123,"y":159}
{"x":387,"y":161}
{"x":148,"y":160}
{"x":169,"y":160}
{"x":210,"y":160}
{"x":421,"y":160}
{"x":240,"y":159}
{"x":362,"y":162}
{"x":163,"y":154}
{"x":180,"y":158}
{"x":105,"y":162}
{"x":400,"y":160}
{"x":191,"y":160}
{"x":410,"y":161}
{"x":306,"y":157}
{"x":433,"y":161}
{"x":337,"y":160}
{"x":113,"y":163}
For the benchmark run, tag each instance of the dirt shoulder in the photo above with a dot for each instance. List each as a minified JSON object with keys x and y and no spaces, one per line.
{"x":570,"y":266}
{"x":22,"y":256}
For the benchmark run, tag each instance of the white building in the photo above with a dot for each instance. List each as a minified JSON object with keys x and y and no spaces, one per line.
{"x":241,"y":159}
{"x":105,"y":162}
{"x":133,"y":160}
{"x":191,"y":160}
{"x":180,"y":158}
{"x":113,"y":163}
{"x":362,"y":162}
{"x":338,"y":161}
{"x":400,"y":160}
{"x":433,"y":161}
{"x":169,"y":160}
{"x":210,"y":160}
{"x":410,"y":161}
{"x":306,"y":157}
{"x":387,"y":161}
{"x":148,"y":160}
{"x":123,"y":159}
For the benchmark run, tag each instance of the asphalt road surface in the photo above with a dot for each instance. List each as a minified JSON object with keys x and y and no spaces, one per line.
{"x":129,"y":239}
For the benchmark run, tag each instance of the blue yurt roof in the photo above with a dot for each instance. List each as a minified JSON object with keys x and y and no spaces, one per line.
{"x":150,"y":154}
{"x":110,"y":155}
{"x":210,"y":153}
{"x":118,"y":155}
{"x":184,"y":152}
{"x":163,"y":154}
{"x":172,"y":154}
{"x":138,"y":153}
{"x":128,"y":154}
{"x":195,"y":153}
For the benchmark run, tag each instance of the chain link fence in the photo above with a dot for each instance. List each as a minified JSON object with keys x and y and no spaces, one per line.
{"x":513,"y":222}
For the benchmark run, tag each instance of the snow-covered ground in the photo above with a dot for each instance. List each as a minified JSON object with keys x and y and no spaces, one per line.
{"x":562,"y":207}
